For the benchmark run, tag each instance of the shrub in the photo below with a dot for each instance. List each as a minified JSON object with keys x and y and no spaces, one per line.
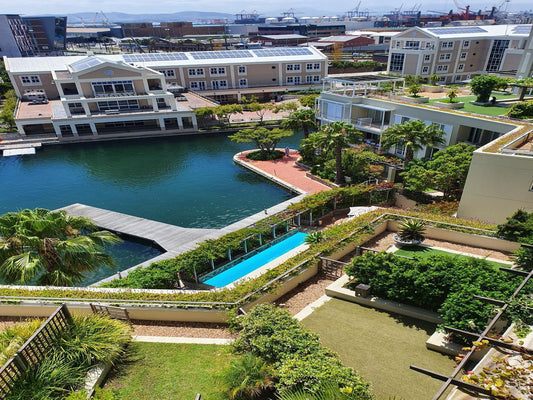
{"x":483,"y":85}
{"x":414,"y":90}
{"x":412,"y":230}
{"x":301,"y":362}
{"x":265,"y":156}
{"x":523,"y":110}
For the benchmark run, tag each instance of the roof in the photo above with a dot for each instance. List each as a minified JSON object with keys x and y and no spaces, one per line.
{"x":283,"y":37}
{"x":363,"y":78}
{"x":72,"y":29}
{"x":374,"y":33}
{"x":159,"y":60}
{"x":478,"y":31}
{"x":341,"y":38}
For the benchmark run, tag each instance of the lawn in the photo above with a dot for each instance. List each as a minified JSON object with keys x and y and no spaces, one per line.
{"x":422,"y":251}
{"x":381,"y":346}
{"x":165,"y":371}
{"x":483,"y":110}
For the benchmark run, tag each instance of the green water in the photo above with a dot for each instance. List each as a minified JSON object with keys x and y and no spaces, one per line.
{"x":190,"y":181}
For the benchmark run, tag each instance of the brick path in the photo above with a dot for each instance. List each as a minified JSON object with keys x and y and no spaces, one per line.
{"x":286,"y":170}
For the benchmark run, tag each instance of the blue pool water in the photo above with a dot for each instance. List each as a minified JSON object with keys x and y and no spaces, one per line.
{"x":256,"y":261}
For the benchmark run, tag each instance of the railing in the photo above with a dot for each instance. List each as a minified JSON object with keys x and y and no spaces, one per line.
{"x":332,"y":268}
{"x":33,"y":351}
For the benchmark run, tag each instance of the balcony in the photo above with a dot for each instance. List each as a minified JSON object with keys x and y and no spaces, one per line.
{"x":368,"y":125}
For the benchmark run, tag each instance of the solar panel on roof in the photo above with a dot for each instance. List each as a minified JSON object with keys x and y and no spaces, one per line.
{"x":522,"y":29}
{"x":457,"y":30}
{"x":154,"y":57}
{"x":215,"y":55}
{"x":281,"y":52}
{"x":86,"y":63}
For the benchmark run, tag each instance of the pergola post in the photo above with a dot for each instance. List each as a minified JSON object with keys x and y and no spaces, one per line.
{"x":245,"y":246}
{"x":260,"y":239}
{"x":229,"y":254}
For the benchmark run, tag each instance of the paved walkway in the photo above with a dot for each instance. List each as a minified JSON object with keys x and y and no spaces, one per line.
{"x":284,"y":171}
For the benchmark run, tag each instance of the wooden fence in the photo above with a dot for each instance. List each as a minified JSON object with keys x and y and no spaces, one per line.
{"x":33,"y":351}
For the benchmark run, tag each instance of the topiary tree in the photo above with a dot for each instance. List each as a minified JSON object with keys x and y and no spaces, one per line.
{"x":452,"y":94}
{"x":433,"y":79}
{"x":414,"y":90}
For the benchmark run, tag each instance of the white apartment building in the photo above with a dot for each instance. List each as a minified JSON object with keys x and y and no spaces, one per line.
{"x":458,"y":53}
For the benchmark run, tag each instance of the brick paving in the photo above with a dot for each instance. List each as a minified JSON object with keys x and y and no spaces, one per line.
{"x":286,"y":170}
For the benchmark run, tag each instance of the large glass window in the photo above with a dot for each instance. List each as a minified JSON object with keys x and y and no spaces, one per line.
{"x":115,"y":88}
{"x":496,"y":55}
{"x":396,"y":62}
{"x":118,"y":105}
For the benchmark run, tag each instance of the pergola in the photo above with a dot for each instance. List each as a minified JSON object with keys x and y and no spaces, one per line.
{"x":358,"y":83}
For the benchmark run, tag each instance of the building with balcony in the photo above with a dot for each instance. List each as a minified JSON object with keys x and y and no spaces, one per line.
{"x":458,"y":53}
{"x":137,"y":91}
{"x":346,"y":99}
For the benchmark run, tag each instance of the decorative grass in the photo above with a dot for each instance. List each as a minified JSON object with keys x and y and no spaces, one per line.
{"x":423,"y":251}
{"x":166,"y":371}
{"x":381,"y":346}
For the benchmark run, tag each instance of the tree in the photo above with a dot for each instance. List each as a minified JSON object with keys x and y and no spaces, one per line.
{"x":336,"y":136}
{"x":413,"y":135}
{"x":483,"y":85}
{"x":8,"y":108}
{"x":260,"y":109}
{"x":452,"y":94}
{"x":414,"y":90}
{"x":303,"y":119}
{"x":224,"y":112}
{"x":446,"y":172}
{"x":265,"y":139}
{"x":308,"y":101}
{"x":433,"y":79}
{"x":50,"y":246}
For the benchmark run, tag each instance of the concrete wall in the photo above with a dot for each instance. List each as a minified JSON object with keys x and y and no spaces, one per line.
{"x":462,"y":238}
{"x":497,"y":185}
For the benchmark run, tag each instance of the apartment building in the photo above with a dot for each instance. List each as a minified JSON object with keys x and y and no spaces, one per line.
{"x":32,"y":36}
{"x":344,"y":99}
{"x":94,"y":95}
{"x":458,"y":53}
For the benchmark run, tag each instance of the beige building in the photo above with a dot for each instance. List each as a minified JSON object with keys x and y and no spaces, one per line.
{"x":343,"y":99}
{"x":458,"y":53}
{"x":500,"y":178}
{"x":93,"y":95}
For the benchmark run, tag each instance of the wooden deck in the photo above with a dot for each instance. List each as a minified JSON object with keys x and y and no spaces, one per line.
{"x":171,"y":238}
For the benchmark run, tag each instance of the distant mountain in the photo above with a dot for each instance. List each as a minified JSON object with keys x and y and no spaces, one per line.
{"x":117,"y":17}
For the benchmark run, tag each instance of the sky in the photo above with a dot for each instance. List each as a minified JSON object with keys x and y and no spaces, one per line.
{"x":264,"y":8}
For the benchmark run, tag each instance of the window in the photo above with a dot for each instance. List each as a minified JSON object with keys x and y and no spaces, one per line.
{"x":243,"y":83}
{"x":442,"y":68}
{"x":412,"y":44}
{"x":219,"y":85}
{"x":242,"y":70}
{"x":447,"y":45}
{"x":118,"y":105}
{"x":429,"y":45}
{"x":293,"y":80}
{"x":169,"y":73}
{"x":312,"y":67}
{"x":466,"y":44}
{"x":196,"y":72}
{"x":217,"y":70}
{"x":496,"y":55}
{"x":396,"y":62}
{"x":460,"y":67}
{"x":463,"y":56}
{"x":30,"y":80}
{"x":293,"y":67}
{"x":445,"y":57}
{"x":427,"y":57}
{"x":425,"y":70}
{"x":397,"y":44}
{"x":312,"y":79}
{"x":112,"y":88}
{"x":197,"y":85}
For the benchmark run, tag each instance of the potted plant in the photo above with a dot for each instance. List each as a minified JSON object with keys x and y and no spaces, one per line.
{"x":411,"y":233}
{"x":451,"y":104}
{"x":433,"y":86}
{"x":414,"y":97}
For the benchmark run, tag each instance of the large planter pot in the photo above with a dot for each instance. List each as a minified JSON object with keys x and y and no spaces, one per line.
{"x":448,"y":105}
{"x":403,"y":242}
{"x":432,"y":89}
{"x":416,"y":100}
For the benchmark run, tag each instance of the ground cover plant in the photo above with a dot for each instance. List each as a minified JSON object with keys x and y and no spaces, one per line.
{"x":519,"y":228}
{"x":298,"y":359}
{"x":166,"y":371}
{"x":87,"y":341}
{"x":441,"y":283}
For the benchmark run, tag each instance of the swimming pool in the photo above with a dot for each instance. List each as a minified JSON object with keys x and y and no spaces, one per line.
{"x":248,"y":265}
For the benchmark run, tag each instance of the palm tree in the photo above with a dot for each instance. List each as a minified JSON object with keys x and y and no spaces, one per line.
{"x":51,"y":246}
{"x":413,"y":135}
{"x":337,"y":136}
{"x":247,"y":377}
{"x":303,"y":119}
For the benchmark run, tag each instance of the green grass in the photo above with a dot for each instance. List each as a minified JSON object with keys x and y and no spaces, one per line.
{"x":482,"y":110}
{"x":422,"y":251}
{"x":381,"y":346}
{"x":166,"y":371}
